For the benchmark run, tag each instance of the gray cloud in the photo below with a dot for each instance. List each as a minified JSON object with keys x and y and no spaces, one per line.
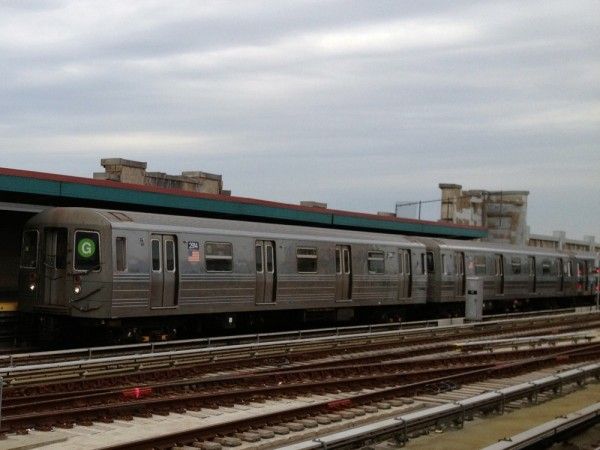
{"x":356,"y":103}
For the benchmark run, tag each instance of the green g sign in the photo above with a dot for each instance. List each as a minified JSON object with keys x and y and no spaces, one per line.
{"x":86,"y":248}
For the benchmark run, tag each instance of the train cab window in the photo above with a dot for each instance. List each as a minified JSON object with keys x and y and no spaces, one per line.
{"x":376,"y":262}
{"x":121,"y":253}
{"x":480,"y":265}
{"x":219,"y":256}
{"x":155,"y":255}
{"x":29,"y":250}
{"x":515,"y":264}
{"x":306,"y":260}
{"x":430,"y":263}
{"x":87,"y":250}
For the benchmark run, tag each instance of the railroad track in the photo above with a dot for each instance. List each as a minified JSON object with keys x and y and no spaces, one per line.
{"x":28,"y":370}
{"x":44,"y":396}
{"x":365,"y":401}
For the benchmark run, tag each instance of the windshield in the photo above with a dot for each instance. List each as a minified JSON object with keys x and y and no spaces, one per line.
{"x":29,"y":249}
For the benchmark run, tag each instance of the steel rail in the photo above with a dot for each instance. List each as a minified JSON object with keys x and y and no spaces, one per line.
{"x":455,"y":410}
{"x":16,"y":359}
{"x":284,"y":348}
{"x":399,"y":427}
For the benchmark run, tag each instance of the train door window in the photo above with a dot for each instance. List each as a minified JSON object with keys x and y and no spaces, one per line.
{"x":499,"y":265}
{"x":218,"y":256}
{"x":270,"y":258}
{"x":558,"y":268}
{"x":338,"y":261}
{"x":87,"y":250}
{"x":407,"y":268}
{"x":480,"y":267}
{"x":29,"y":250}
{"x":430,"y":263}
{"x":306,"y":260}
{"x":347,"y":261}
{"x":515,"y":264}
{"x":156,"y":255}
{"x":400,"y":262}
{"x":170,"y":255}
{"x":376,"y":262}
{"x":422,"y":263}
{"x":121,"y":254}
{"x":259,"y":258}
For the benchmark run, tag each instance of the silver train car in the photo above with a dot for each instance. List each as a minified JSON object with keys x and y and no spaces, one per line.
{"x":113,"y":266}
{"x":130,"y":272}
{"x":510,"y":273}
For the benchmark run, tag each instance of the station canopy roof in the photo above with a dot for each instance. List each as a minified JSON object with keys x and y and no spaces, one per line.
{"x":23,"y":190}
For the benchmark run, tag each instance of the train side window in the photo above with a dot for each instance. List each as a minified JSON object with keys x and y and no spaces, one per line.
{"x":376,"y":262}
{"x":306,"y":259}
{"x":87,"y":251}
{"x":121,"y":253}
{"x":448,"y":264}
{"x":219,"y":256}
{"x":430,"y":263}
{"x":155,"y":255}
{"x":569,"y":268}
{"x":29,"y":250}
{"x":515,"y":264}
{"x":480,"y":265}
{"x":545,"y":267}
{"x":338,"y":261}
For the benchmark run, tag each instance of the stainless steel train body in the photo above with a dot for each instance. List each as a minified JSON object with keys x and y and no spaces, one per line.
{"x":508,"y":271}
{"x":110,"y":264}
{"x":113,"y":265}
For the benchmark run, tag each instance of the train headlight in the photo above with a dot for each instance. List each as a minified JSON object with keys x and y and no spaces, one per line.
{"x":77,"y":290}
{"x":32,"y":287}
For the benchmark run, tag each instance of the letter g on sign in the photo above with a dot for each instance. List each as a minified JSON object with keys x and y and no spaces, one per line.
{"x":86,"y":248}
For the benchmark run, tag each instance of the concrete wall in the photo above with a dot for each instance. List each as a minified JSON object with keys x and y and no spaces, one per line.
{"x":504,"y":213}
{"x":128,"y":171}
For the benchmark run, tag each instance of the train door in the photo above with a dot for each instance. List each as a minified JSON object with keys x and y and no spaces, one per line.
{"x":55,"y":265}
{"x":532,"y":274}
{"x":164,"y":276}
{"x":343,"y":272}
{"x":561,"y":274}
{"x":407,"y":274}
{"x":499,"y":264}
{"x":460,"y":274}
{"x":265,"y":272}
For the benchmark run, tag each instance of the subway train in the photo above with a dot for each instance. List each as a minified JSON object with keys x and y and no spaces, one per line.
{"x":129,"y":274}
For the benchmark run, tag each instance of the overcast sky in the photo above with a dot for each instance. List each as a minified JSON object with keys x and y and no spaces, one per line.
{"x":355,"y":103}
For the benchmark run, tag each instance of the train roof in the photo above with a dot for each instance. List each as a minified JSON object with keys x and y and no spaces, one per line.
{"x":453,"y":244}
{"x":160,"y":222}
